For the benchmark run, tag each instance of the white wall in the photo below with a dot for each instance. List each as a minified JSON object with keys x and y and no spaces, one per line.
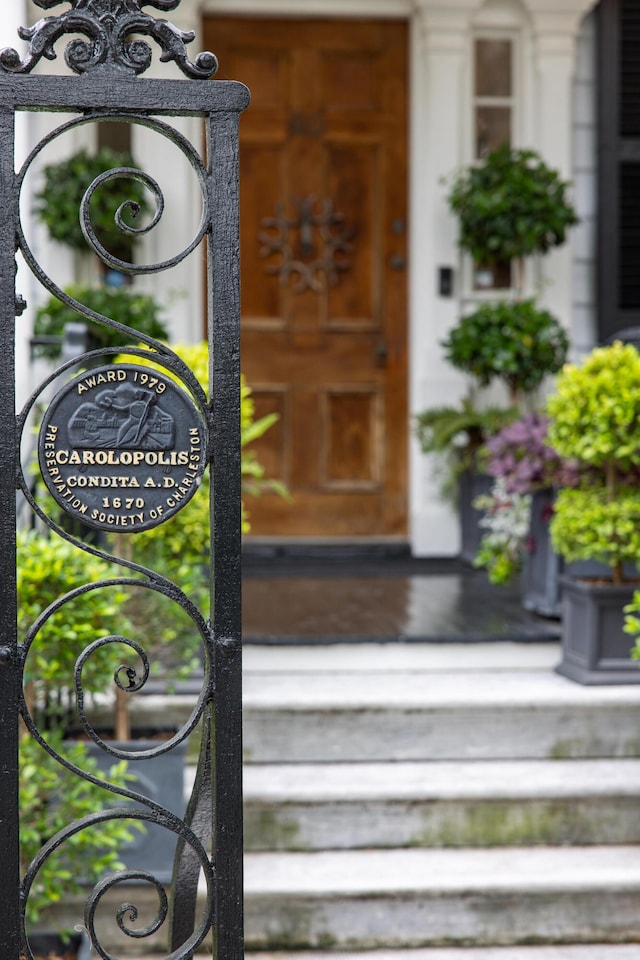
{"x":546,"y":33}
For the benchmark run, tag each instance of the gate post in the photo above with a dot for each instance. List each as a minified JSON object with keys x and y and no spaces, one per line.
{"x":9,"y":672}
{"x":107,"y":59}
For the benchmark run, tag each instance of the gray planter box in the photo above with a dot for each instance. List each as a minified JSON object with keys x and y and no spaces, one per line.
{"x":162,"y":780}
{"x":542,"y":566}
{"x":595,"y":648}
{"x":471,"y":485}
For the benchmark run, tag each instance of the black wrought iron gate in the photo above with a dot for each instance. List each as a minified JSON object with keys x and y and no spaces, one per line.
{"x":124,"y":420}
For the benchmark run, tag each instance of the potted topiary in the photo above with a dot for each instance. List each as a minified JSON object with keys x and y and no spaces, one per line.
{"x":59,"y":200}
{"x":122,"y":304}
{"x":52,"y":796}
{"x":595,"y":419}
{"x":454,"y":437}
{"x":513,"y":343}
{"x":510,"y":206}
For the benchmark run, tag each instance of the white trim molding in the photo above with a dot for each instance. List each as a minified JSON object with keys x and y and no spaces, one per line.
{"x":375,"y":9}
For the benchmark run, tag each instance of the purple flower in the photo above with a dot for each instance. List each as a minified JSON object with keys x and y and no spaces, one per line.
{"x":520,"y":455}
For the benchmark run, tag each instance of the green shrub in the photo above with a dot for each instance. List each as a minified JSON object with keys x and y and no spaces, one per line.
{"x":510,"y":205}
{"x":51,"y":797}
{"x":123,"y":304}
{"x":47,"y":568}
{"x":595,"y":420}
{"x":595,"y":410}
{"x":456,"y":435}
{"x":587,"y":525}
{"x":58,"y":202}
{"x":511,"y":341}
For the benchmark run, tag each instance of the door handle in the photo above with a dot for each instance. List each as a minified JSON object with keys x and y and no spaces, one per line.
{"x":381,"y":353}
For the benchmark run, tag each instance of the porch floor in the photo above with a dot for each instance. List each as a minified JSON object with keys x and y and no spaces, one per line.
{"x":332,"y":596}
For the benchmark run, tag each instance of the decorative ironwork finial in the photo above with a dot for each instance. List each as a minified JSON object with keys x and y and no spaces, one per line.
{"x":111,"y":27}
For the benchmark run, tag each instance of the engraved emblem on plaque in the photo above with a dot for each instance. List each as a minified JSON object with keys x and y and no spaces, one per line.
{"x":122,"y":448}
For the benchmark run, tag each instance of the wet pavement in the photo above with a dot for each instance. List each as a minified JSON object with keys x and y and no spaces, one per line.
{"x":313,"y":598}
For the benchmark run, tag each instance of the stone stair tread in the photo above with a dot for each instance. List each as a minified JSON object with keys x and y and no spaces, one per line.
{"x":595,"y":951}
{"x":440,"y":780}
{"x":399,"y":657}
{"x":591,"y":951}
{"x":537,"y":690}
{"x":429,"y":873}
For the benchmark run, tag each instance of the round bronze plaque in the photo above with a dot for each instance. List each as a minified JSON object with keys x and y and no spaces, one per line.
{"x":122,"y":448}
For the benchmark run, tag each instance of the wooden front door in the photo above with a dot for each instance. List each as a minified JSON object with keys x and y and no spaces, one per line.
{"x":323,"y":247}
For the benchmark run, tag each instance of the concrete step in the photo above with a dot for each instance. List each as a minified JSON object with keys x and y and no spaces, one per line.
{"x":410,"y":898}
{"x":596,"y":951}
{"x":394,"y":900}
{"x":472,"y":715}
{"x":414,"y":702}
{"x":479,"y":803}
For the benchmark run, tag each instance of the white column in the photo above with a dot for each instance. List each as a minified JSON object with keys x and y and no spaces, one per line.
{"x":440,"y":45}
{"x":179,"y":290}
{"x":555,"y":27}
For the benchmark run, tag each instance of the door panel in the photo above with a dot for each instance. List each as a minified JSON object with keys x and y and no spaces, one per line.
{"x":323,"y":246}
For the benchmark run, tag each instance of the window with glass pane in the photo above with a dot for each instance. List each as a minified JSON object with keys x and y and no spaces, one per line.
{"x":493,"y":117}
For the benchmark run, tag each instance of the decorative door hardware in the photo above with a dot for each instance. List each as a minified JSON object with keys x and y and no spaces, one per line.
{"x":312,"y":245}
{"x":307,"y":124}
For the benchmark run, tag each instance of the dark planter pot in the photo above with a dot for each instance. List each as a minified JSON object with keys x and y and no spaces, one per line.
{"x":471,"y":484}
{"x":51,"y":946}
{"x":541,"y":566}
{"x":162,"y":780}
{"x":595,"y":648}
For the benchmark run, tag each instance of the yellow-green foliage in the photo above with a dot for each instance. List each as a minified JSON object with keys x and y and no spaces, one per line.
{"x":595,"y":410}
{"x":179,"y":549}
{"x":48,"y":567}
{"x":52,"y":797}
{"x":587,"y":525}
{"x":196,"y":357}
{"x":632,"y":623}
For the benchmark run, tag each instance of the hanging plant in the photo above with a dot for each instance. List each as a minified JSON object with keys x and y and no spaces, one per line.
{"x":58,"y":202}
